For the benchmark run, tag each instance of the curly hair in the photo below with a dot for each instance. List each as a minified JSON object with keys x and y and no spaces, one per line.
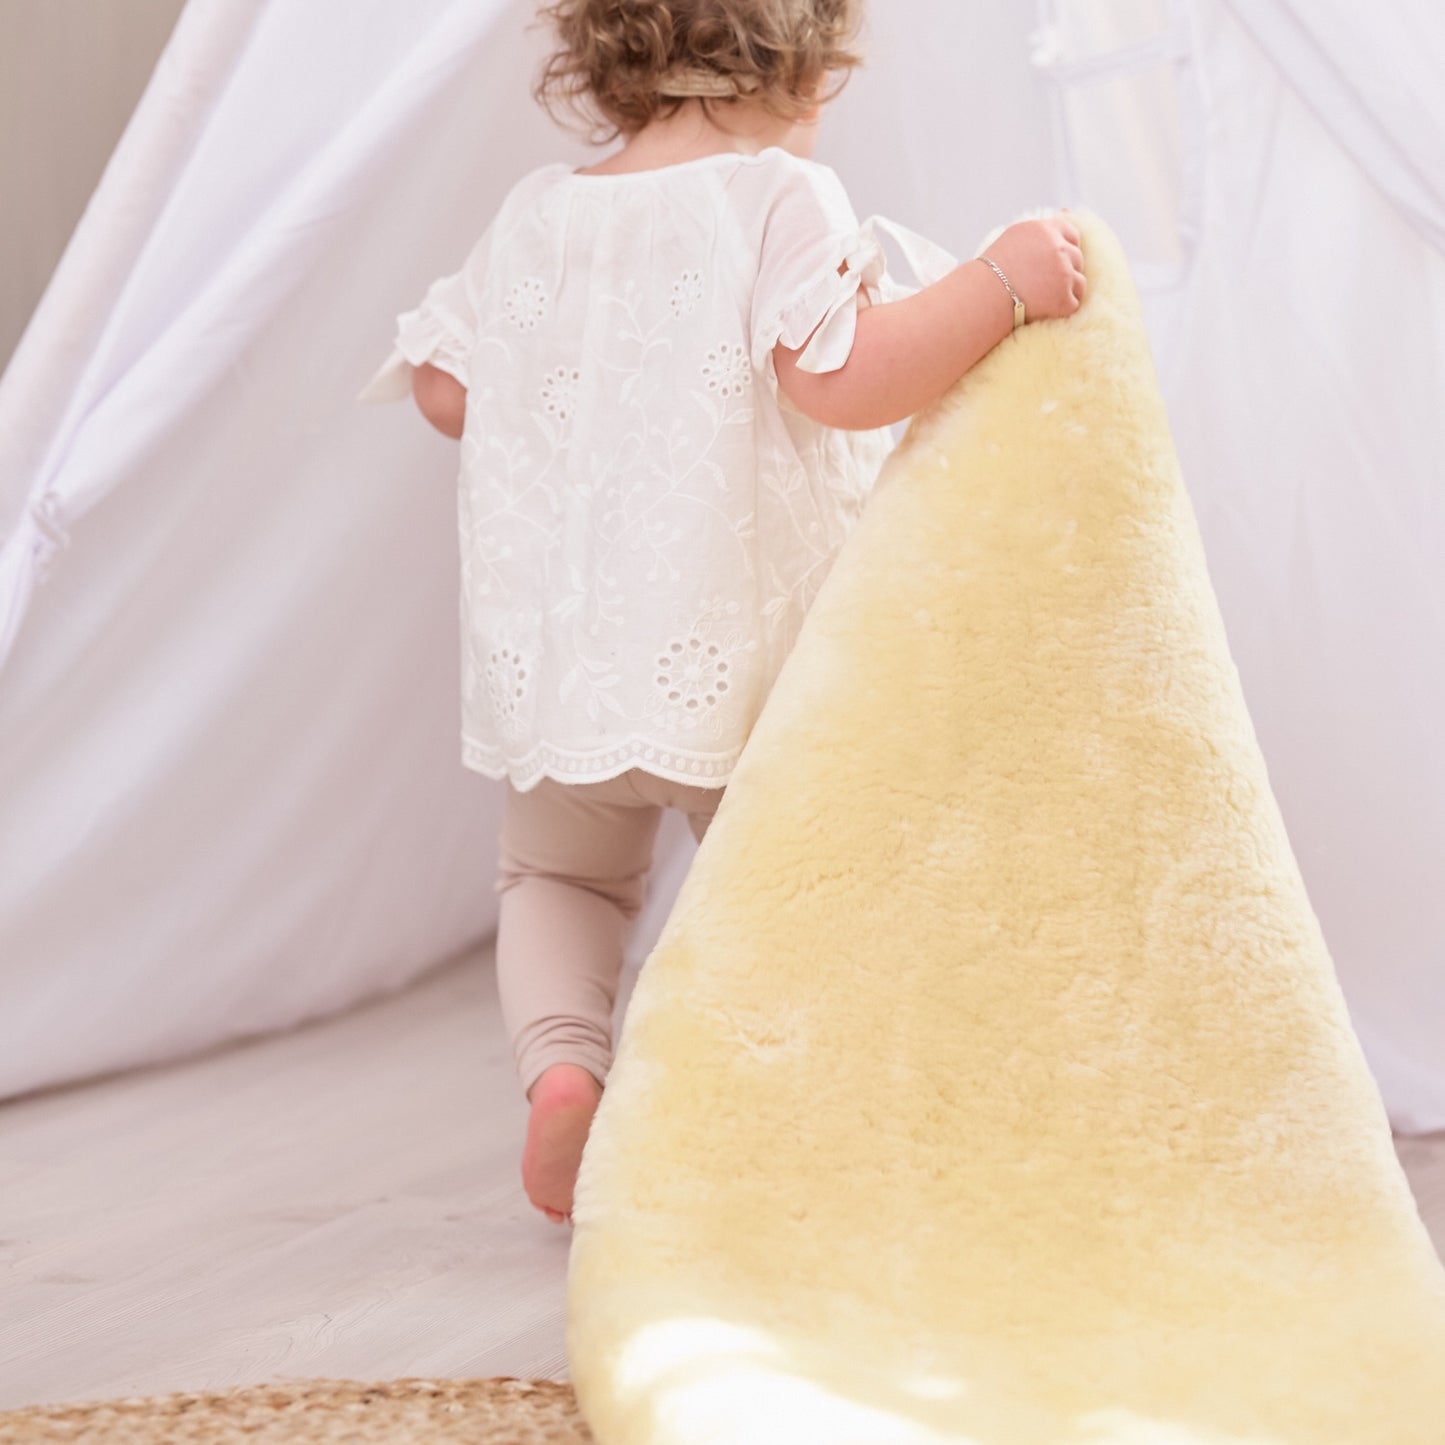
{"x":620,"y":63}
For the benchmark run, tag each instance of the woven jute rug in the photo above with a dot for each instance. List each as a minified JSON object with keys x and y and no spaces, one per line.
{"x":501,"y":1411}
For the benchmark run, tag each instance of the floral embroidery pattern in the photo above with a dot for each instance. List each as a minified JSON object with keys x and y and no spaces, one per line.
{"x":506,"y":674}
{"x":686,"y":293}
{"x":696,"y":670}
{"x":634,"y":574}
{"x":692,"y":673}
{"x":559,"y":392}
{"x":727,"y":369}
{"x":526,"y":303}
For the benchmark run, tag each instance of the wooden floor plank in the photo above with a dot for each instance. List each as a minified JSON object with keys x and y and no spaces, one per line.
{"x":341,"y":1200}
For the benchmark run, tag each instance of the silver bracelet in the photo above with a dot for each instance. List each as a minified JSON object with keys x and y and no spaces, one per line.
{"x":1018,"y":305}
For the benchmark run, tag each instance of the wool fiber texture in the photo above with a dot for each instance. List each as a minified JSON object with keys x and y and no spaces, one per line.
{"x":990,"y":1082}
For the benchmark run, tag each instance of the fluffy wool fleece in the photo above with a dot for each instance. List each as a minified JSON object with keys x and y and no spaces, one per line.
{"x":990,"y":1082}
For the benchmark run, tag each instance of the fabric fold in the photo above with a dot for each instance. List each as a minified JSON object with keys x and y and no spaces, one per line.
{"x":429,"y":332}
{"x":828,"y":308}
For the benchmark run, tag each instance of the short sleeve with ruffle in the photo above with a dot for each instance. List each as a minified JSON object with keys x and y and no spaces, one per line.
{"x":440,"y":329}
{"x":816,"y":257}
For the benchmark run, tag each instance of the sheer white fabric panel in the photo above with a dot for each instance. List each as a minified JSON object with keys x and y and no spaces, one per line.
{"x":229,"y":763}
{"x":1371,"y":76}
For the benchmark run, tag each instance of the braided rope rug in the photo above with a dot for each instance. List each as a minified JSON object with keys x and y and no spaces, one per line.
{"x":501,"y":1411}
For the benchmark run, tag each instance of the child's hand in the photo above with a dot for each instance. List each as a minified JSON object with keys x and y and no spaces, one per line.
{"x":1045,"y":264}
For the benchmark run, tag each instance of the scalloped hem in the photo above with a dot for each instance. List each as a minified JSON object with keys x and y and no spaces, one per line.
{"x":677,"y":765}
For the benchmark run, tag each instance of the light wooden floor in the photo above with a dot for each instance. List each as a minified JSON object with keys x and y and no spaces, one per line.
{"x":341,"y":1201}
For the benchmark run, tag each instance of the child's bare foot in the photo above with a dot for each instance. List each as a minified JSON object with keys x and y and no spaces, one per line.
{"x":564,"y":1099}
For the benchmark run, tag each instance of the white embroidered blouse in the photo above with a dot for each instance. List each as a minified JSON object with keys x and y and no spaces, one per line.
{"x":644,"y":517}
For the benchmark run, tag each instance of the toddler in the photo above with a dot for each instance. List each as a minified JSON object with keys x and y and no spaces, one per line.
{"x":671,"y":373}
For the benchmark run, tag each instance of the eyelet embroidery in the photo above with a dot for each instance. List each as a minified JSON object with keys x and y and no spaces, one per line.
{"x":546,"y":759}
{"x":526,"y":303}
{"x":695,"y":671}
{"x":727,"y":369}
{"x":559,"y":392}
{"x":692,"y":674}
{"x":507,"y":687}
{"x":686,"y":293}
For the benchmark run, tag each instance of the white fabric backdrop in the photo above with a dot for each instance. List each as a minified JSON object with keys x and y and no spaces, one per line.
{"x":230,"y":796}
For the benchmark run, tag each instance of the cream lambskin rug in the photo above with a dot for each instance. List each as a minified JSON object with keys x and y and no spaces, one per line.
{"x":990,"y":1081}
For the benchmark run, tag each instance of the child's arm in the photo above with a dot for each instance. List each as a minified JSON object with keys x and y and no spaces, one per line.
{"x":441,"y":398}
{"x":907,"y":353}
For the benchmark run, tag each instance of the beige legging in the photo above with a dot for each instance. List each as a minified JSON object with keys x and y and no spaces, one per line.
{"x":573,"y":859}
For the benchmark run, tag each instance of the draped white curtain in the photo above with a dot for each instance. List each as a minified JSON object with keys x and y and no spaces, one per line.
{"x":228,"y":719}
{"x":1370,"y":76}
{"x":230,"y":791}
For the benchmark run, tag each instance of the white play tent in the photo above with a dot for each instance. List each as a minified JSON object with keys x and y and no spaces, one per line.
{"x":231,"y":796}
